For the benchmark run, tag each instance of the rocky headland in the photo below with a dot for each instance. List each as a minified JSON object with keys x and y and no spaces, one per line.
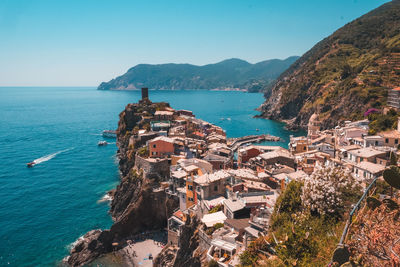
{"x":230,"y":74}
{"x":136,"y":199}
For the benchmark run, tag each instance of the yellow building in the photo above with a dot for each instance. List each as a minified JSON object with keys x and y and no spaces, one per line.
{"x":298,"y":144}
{"x":191,"y":196}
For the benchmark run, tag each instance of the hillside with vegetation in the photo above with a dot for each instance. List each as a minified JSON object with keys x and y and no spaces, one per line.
{"x":342,"y":76}
{"x":307,"y":221}
{"x":227,"y":74}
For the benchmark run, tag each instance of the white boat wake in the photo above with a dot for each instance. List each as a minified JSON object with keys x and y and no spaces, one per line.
{"x":50,"y":156}
{"x":106,"y":198}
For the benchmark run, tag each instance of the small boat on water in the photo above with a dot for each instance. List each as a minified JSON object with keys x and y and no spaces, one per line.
{"x":30,"y":164}
{"x":102,"y":143}
{"x":257,"y":129}
{"x":110,"y":134}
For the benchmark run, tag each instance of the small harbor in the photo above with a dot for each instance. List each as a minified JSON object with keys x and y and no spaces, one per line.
{"x":235,"y":143}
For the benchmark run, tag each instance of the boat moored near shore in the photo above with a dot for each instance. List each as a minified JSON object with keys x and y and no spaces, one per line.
{"x":102,"y":143}
{"x":110,"y":134}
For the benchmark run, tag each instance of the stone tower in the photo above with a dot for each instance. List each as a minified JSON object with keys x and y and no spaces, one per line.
{"x":145,"y":93}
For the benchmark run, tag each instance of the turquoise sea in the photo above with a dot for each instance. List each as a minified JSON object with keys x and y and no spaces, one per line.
{"x":45,"y":208}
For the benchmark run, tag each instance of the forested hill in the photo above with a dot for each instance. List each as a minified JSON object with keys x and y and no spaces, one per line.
{"x":231,"y":73}
{"x":343,"y":75}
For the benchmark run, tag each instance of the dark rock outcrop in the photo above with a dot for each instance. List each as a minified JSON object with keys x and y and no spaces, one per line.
{"x":94,"y":244}
{"x":188,"y":253}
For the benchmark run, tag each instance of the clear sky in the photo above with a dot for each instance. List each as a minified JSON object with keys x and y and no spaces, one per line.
{"x":85,"y":42}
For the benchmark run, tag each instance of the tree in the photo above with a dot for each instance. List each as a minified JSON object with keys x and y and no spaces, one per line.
{"x":392,"y":177}
{"x":327,"y":190}
{"x":393,"y":158}
{"x":346,"y":71}
{"x":213,"y":263}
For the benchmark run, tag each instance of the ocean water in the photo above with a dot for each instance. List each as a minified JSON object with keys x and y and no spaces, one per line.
{"x":45,"y":208}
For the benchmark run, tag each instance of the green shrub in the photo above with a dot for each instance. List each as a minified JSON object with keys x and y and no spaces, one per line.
{"x":382,"y":122}
{"x":216,"y":209}
{"x":143,"y":152}
{"x":212,"y":263}
{"x":218,"y":225}
{"x":248,"y":258}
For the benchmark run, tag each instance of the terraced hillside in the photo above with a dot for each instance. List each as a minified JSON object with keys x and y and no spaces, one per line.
{"x":343,"y":75}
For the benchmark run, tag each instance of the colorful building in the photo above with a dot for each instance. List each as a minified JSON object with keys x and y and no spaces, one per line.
{"x":161,"y":147}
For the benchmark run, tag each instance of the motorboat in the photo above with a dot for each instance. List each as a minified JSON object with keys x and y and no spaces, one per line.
{"x":102,"y":143}
{"x":30,"y":164}
{"x":110,"y":134}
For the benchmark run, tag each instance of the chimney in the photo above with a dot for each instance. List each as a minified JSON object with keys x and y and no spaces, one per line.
{"x":145,"y":93}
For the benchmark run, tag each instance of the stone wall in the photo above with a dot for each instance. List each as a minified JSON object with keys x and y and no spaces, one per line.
{"x":173,"y":238}
{"x":153,"y":168}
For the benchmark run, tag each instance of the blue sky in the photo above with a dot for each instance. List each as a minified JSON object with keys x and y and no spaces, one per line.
{"x":85,"y":42}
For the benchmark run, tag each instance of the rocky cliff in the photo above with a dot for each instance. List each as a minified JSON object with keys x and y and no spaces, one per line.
{"x":343,"y":75}
{"x":136,"y":206}
{"x":188,"y":254}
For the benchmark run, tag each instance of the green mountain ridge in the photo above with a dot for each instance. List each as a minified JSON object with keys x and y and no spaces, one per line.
{"x":343,"y":75}
{"x":230,"y":73}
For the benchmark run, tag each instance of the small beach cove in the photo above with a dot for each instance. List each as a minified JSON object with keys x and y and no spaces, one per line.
{"x":140,"y":250}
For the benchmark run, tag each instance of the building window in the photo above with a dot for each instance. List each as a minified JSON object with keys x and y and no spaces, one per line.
{"x":191,"y":199}
{"x":220,"y":166}
{"x":154,"y":146}
{"x":387,"y":140}
{"x":304,"y":148}
{"x":215,"y":187}
{"x":190,"y":187}
{"x":396,"y":141}
{"x":154,"y":153}
{"x":376,"y":143}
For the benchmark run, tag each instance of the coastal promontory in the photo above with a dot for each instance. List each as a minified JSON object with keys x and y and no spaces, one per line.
{"x":225,"y":75}
{"x":139,"y":203}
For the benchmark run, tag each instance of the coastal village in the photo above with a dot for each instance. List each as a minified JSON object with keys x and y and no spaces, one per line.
{"x":220,"y":133}
{"x":230,"y":185}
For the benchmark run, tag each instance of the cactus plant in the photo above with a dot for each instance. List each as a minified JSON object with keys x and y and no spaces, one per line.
{"x":392,"y":176}
{"x":341,"y":255}
{"x":391,"y":204}
{"x":373,"y":203}
{"x":350,"y":264}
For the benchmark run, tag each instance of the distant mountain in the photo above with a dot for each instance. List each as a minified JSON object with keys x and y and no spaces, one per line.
{"x":343,"y":75}
{"x":230,"y":73}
